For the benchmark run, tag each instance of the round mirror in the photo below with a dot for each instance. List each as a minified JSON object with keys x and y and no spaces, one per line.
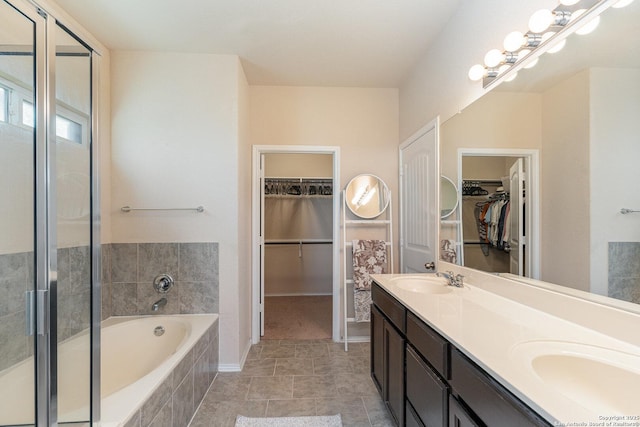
{"x":448,"y":197}
{"x":367,"y":196}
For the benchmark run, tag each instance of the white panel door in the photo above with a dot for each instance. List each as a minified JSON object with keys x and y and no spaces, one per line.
{"x":516,"y":218}
{"x":419,"y":180}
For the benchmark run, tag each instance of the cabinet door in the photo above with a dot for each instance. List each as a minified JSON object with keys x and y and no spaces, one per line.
{"x":458,"y":416}
{"x":426,"y":392}
{"x":377,"y":349}
{"x":394,"y":370}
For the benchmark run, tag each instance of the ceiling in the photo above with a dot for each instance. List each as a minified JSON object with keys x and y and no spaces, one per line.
{"x":361,"y":43}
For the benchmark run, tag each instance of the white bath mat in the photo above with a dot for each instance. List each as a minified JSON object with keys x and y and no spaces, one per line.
{"x":326,"y":421}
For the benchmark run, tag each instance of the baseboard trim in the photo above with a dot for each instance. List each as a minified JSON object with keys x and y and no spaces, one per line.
{"x":229,"y":367}
{"x":299,"y":295}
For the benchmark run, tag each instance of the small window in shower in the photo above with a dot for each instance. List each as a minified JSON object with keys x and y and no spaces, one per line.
{"x":68,"y":129}
{"x":27,"y":114}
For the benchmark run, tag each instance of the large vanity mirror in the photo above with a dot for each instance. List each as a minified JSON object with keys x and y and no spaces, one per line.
{"x":578,"y":109}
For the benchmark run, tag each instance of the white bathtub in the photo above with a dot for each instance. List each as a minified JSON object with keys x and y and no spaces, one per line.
{"x":134,"y":363}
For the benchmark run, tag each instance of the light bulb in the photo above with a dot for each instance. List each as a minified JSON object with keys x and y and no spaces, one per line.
{"x":568,"y":2}
{"x":546,"y":36}
{"x":589,"y":26}
{"x":513,"y":41}
{"x":558,"y":46}
{"x":622,"y":3}
{"x":503,"y":68}
{"x":493,"y":58}
{"x":523,"y":53}
{"x":540,"y":21}
{"x":476,"y":72}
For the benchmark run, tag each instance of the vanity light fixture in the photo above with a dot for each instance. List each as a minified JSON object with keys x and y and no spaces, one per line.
{"x":548,"y":30}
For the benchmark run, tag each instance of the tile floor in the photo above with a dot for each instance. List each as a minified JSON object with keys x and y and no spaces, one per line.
{"x":297,"y":378}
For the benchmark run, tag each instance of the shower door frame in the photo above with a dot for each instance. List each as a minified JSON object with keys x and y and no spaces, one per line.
{"x":43,"y":321}
{"x":257,"y":190}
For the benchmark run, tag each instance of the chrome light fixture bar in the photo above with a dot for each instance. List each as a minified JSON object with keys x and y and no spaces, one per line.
{"x":547,"y":32}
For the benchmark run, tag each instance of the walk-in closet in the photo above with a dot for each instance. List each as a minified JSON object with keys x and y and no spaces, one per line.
{"x":298,"y":229}
{"x":488,"y":214}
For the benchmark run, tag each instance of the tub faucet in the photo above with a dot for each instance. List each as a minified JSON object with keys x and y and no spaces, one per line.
{"x":454,"y":280}
{"x":160,"y":303}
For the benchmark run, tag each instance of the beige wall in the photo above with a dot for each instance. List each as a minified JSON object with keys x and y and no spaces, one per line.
{"x":615,"y":103}
{"x":438,"y":84}
{"x":362,"y":122}
{"x":564,"y":205}
{"x":176,"y":143}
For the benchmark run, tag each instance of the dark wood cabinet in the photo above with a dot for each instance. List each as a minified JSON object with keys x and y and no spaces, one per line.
{"x":394,"y":370}
{"x":489,"y":400}
{"x":387,"y":352}
{"x":377,"y":348}
{"x":427,"y":382}
{"x":426,"y":392}
{"x":458,"y":416}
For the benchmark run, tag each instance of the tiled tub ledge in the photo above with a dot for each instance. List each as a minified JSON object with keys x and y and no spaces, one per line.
{"x":168,"y":393}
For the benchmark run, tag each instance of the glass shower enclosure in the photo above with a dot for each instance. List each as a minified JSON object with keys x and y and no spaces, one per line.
{"x":49,"y":252}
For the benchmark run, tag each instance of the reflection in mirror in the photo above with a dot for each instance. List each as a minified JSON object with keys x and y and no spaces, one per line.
{"x":448,"y":197}
{"x":579,"y":108}
{"x":367,"y":196}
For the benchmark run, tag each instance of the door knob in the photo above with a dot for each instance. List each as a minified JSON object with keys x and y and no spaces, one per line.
{"x":430,"y":266}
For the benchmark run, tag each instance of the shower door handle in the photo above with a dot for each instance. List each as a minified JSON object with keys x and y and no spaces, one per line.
{"x":36,"y":305}
{"x":30,"y":309}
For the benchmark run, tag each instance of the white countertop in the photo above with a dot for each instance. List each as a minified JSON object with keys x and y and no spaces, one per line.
{"x":504,"y":336}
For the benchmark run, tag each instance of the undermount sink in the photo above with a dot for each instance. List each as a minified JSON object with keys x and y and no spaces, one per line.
{"x":422,"y":284}
{"x":602,"y":380}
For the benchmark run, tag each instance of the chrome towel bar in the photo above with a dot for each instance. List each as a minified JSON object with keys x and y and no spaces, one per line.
{"x":625,"y":211}
{"x":199,"y":209}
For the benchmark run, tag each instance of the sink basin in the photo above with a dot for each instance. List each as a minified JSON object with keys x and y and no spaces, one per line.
{"x":602,"y":380}
{"x":422,"y":284}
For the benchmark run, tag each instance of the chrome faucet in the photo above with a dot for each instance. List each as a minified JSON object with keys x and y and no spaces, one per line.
{"x":454,"y":280}
{"x":160,"y":303}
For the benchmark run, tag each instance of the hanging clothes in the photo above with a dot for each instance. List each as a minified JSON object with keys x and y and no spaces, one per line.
{"x":492,"y":219}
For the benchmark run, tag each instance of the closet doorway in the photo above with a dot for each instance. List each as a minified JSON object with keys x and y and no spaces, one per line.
{"x":295,"y":252}
{"x":499,"y":210}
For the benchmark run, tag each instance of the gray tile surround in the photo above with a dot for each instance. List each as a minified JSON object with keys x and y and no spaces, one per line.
{"x":624,"y":271}
{"x":174,"y":403}
{"x":129,"y":270}
{"x":17,"y":276}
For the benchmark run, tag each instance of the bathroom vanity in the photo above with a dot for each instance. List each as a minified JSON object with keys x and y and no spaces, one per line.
{"x":447,"y":356}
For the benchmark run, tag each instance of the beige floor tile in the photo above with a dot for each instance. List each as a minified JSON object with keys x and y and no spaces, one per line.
{"x":331,"y":365}
{"x":260,"y":367}
{"x":379,"y":416}
{"x":278,"y":352}
{"x":228,"y":386}
{"x":314,"y":386}
{"x":359,"y":365}
{"x":294,"y":366}
{"x":291,"y":408}
{"x":351,"y":410}
{"x":223,"y":414}
{"x":312,"y":350}
{"x":280,"y":387}
{"x":355,"y":385}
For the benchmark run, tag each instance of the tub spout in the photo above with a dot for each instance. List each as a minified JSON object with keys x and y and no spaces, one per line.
{"x":160,"y":303}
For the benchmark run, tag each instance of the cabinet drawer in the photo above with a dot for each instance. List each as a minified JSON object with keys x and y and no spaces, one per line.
{"x":389,"y":306}
{"x":411,"y":419}
{"x":426,"y":392}
{"x":488,"y":399}
{"x":429,"y":343}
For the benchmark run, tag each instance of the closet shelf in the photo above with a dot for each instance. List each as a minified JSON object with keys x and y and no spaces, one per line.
{"x":298,"y":187}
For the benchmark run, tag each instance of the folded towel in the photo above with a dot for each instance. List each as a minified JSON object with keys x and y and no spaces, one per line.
{"x":369,"y":257}
{"x":448,"y":251}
